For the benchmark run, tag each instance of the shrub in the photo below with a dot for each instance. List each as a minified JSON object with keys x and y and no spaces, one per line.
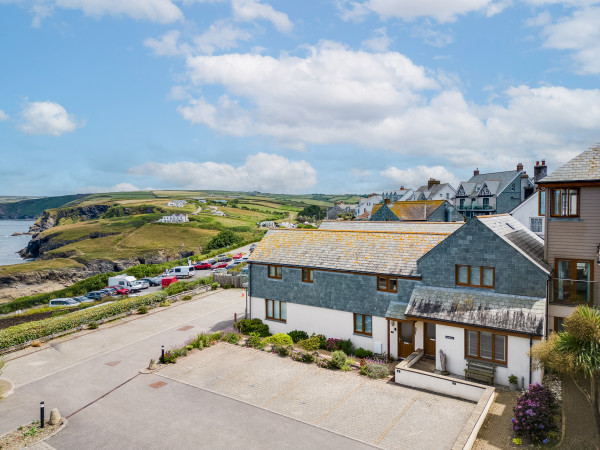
{"x":93,"y":325}
{"x":347,"y":347}
{"x":534,"y":414}
{"x":280,"y":350}
{"x":254,"y":341}
{"x":169,"y":358}
{"x":362,"y":353}
{"x":311,"y":344}
{"x":187,"y":297}
{"x":322,"y":339}
{"x":227,"y":286}
{"x":338,"y":359}
{"x":301,"y":356}
{"x":512,"y":379}
{"x":215,"y":336}
{"x":214,"y":286}
{"x":189,"y":348}
{"x":225,"y":238}
{"x":231,"y":337}
{"x":180,"y":351}
{"x":297,"y":335}
{"x":279,"y":339}
{"x":323,"y":362}
{"x":332,"y":344}
{"x":36,"y":344}
{"x":247,"y":326}
{"x":374,"y":368}
{"x":164,"y":303}
{"x":143,"y":309}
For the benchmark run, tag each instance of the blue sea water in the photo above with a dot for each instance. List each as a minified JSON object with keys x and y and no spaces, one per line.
{"x":10,"y":245}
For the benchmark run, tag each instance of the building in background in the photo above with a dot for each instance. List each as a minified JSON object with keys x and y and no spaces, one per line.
{"x":424,"y":210}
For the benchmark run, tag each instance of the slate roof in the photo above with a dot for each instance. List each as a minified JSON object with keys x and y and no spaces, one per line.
{"x":493,"y":186}
{"x":503,"y":179}
{"x":349,"y":225}
{"x":396,"y":310}
{"x":354,"y":251}
{"x":584,"y":167}
{"x":518,"y":236}
{"x":411,"y":210}
{"x":479,"y":308}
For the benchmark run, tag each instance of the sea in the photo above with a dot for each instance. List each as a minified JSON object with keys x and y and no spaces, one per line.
{"x":10,"y":245}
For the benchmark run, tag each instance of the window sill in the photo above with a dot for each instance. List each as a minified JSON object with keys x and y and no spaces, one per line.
{"x":363,"y":335}
{"x":387,"y":292}
{"x":564,"y":219}
{"x":276,"y":320}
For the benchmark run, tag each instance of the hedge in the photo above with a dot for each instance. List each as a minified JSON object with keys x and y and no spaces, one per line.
{"x":19,"y":334}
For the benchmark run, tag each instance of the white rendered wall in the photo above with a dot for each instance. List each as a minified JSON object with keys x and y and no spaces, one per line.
{"x":332,"y":323}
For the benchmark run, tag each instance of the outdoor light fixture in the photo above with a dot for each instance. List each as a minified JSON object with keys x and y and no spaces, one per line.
{"x":598,"y":259}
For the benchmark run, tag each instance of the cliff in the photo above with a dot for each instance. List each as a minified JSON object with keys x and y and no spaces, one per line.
{"x":33,"y":208}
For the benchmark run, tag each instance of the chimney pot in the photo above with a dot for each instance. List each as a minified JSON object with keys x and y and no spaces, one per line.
{"x":476,"y":172}
{"x":387,"y":201}
{"x":520,"y":166}
{"x":543,"y":162}
{"x":537,"y":163}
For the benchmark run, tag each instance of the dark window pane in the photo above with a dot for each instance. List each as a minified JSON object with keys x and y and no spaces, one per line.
{"x":499,"y":348}
{"x":463,"y":274}
{"x":485,"y":345}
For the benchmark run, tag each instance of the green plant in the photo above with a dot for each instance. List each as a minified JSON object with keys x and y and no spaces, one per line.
{"x":225,"y":238}
{"x":517,"y":441}
{"x":280,"y":350}
{"x":279,"y":339}
{"x":254,"y":341}
{"x":322,"y":339}
{"x":214,"y":286}
{"x":347,"y":347}
{"x":338,"y":359}
{"x":534,"y":414}
{"x":93,"y":325}
{"x":513,"y":379}
{"x":232,"y":337}
{"x":143,"y":309}
{"x":189,"y":348}
{"x":248,"y":326}
{"x":227,"y":286}
{"x":362,"y":353}
{"x":374,"y":368}
{"x":2,"y":364}
{"x":311,"y":344}
{"x":346,"y":367}
{"x":31,"y":432}
{"x":298,"y":335}
{"x":187,"y":297}
{"x":165,"y":303}
{"x":169,"y":358}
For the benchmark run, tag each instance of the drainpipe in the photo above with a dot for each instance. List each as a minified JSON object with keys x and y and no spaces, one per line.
{"x":530,"y":345}
{"x":548,"y":294}
{"x":388,"y":344}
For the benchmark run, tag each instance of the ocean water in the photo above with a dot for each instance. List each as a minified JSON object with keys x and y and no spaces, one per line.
{"x":10,"y":245}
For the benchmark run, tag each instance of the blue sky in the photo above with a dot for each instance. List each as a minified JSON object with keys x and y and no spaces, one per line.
{"x":285,"y":96}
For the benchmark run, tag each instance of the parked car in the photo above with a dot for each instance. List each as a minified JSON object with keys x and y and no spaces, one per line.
{"x":152,"y":281}
{"x":211,"y":261}
{"x":202,"y":266}
{"x":237,"y":256}
{"x":82,"y":299}
{"x":244,"y":259}
{"x":252,"y":247}
{"x":224,"y":259}
{"x":96,"y":295}
{"x":219,"y":265}
{"x":137,"y":286}
{"x":230,"y":266}
{"x":167,"y":281}
{"x":63,"y":302}
{"x":120,"y":290}
{"x":113,"y":291}
{"x":221,"y":271}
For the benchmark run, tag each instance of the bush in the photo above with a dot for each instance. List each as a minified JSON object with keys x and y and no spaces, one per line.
{"x":214,"y":286}
{"x":347,"y":347}
{"x":165,"y":303}
{"x":280,"y":350}
{"x":254,"y":341}
{"x":374,"y":368}
{"x":301,"y":356}
{"x":279,"y":339}
{"x":322,"y":339}
{"x":169,"y":358}
{"x":297,"y":335}
{"x":311,"y":344}
{"x":332,"y":344}
{"x":225,"y":238}
{"x":189,"y":348}
{"x":248,"y":326}
{"x":143,"y":309}
{"x":93,"y":325}
{"x":534,"y":414}
{"x":338,"y":359}
{"x":323,"y":362}
{"x":187,"y":297}
{"x":231,"y":337}
{"x":362,"y":353}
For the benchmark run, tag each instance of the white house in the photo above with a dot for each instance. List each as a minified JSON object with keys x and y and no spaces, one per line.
{"x":528,"y":213}
{"x":174,"y":218}
{"x":177,"y":203}
{"x":365,"y":204}
{"x":267,"y":224}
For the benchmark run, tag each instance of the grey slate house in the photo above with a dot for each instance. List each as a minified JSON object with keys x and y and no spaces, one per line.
{"x":423,"y":210}
{"x":492,"y":193}
{"x":334,"y":212}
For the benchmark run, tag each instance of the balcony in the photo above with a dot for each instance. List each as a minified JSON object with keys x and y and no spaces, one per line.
{"x":476,"y":207}
{"x":572,"y":292}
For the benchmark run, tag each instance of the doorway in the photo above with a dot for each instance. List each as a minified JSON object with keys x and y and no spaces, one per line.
{"x":406,"y":339}
{"x":429,"y":339}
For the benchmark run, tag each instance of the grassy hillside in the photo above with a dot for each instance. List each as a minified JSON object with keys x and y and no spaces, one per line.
{"x":32,"y":208}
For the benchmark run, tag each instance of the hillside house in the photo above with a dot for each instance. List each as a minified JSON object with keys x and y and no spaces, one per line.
{"x":177,"y":203}
{"x":424,"y":210}
{"x":400,"y":195}
{"x":174,"y":218}
{"x":434,"y":190}
{"x":340,"y":209}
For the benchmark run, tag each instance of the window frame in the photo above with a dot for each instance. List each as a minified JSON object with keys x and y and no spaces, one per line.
{"x":536,"y":219}
{"x":573,"y":279}
{"x":542,"y":202}
{"x":481,"y":285}
{"x":568,"y":202}
{"x":364,"y":316}
{"x":275,"y":302}
{"x":278,"y":269}
{"x":478,"y":357}
{"x":387,"y":279}
{"x":308,"y":275}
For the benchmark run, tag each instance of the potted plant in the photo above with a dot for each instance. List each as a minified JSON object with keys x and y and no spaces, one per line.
{"x":513,"y":382}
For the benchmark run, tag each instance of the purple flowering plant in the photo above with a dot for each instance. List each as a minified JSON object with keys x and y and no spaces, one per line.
{"x":534,"y":414}
{"x":333,"y":344}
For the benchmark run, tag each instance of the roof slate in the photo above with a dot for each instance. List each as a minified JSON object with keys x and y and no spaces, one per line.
{"x":479,"y":308}
{"x":353,"y":251}
{"x":518,"y":236}
{"x":350,"y":225}
{"x":416,"y":210}
{"x":396,"y":310}
{"x":584,"y":167}
{"x":503,"y":179}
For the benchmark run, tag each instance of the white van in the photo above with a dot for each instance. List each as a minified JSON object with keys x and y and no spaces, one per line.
{"x":182,"y":271}
{"x":121,"y":280}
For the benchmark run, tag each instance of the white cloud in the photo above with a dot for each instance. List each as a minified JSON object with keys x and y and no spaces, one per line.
{"x":123,"y":187}
{"x":262,"y":172}
{"x":417,"y":176}
{"x":430,"y":35}
{"x":120,"y":187}
{"x":440,"y":10}
{"x":380,"y":41}
{"x":47,"y":118}
{"x":249,"y":10}
{"x":3,"y":116}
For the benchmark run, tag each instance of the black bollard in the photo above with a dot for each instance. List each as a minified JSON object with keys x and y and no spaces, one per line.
{"x":41,"y":414}
{"x":162,"y":354}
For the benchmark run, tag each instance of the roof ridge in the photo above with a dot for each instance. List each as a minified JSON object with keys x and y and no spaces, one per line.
{"x":434,"y":233}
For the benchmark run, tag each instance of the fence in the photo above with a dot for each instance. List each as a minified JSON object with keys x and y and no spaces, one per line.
{"x":235,"y":281}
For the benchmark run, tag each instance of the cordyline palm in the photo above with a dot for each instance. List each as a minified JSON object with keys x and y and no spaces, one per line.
{"x":575,"y":351}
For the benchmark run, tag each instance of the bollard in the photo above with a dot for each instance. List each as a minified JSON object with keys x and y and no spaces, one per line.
{"x":162,"y":354}
{"x":41,"y":414}
{"x":234,"y":317}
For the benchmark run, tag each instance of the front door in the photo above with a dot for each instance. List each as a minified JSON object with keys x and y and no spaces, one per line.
{"x":406,"y":343}
{"x":429,"y":339}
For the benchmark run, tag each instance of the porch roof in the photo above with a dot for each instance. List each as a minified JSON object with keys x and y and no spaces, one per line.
{"x":396,"y":310}
{"x":475,"y":307}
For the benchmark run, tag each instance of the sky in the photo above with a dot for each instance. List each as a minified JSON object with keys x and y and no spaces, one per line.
{"x":282,"y":96}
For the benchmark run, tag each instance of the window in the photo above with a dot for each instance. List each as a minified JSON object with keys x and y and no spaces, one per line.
{"x":565,"y":202}
{"x":462,"y":203}
{"x":559,"y":324}
{"x":475,"y":276}
{"x":308,"y":275}
{"x":275,"y":272}
{"x":276,"y":310}
{"x":542,"y":205}
{"x":387,"y":284}
{"x":447,"y":195}
{"x":362,"y":324}
{"x":486,"y":345}
{"x":486,"y":202}
{"x":536,"y":224}
{"x":573,"y":282}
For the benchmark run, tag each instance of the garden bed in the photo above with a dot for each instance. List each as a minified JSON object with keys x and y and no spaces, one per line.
{"x":28,"y":435}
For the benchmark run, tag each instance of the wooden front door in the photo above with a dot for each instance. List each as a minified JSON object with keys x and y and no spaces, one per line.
{"x":406,"y":339}
{"x":429,"y":338}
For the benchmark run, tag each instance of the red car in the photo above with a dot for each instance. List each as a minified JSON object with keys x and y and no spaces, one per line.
{"x":202,"y":266}
{"x":219,"y":265}
{"x":167,"y":281}
{"x":120,"y":289}
{"x":237,"y":256}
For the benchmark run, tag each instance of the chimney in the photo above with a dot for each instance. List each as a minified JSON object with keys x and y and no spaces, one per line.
{"x":432,"y":182}
{"x":476,"y":172}
{"x":520,"y":167}
{"x":387,"y":201}
{"x":524,"y":175}
{"x":540,"y":171}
